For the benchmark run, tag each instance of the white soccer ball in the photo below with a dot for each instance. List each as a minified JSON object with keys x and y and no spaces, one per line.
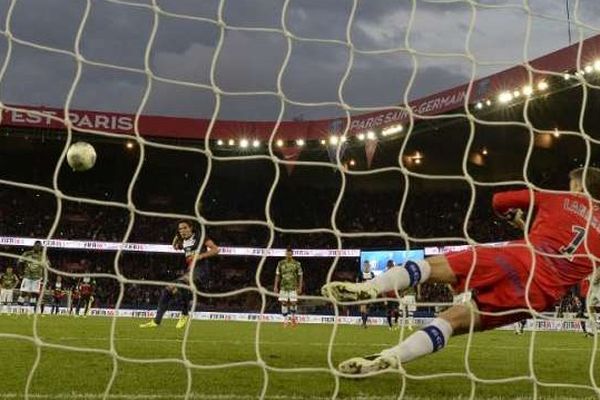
{"x":81,"y":156}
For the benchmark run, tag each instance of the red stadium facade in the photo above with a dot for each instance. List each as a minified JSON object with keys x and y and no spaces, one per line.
{"x":568,"y":59}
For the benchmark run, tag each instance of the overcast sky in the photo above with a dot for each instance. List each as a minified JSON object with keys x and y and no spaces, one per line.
{"x":250,"y":61}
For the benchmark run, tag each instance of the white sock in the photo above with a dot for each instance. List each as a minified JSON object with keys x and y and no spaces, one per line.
{"x":399,"y":278}
{"x":284,"y":310}
{"x":428,"y":340}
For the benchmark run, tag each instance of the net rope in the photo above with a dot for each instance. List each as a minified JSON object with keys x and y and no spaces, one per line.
{"x":291,"y":39}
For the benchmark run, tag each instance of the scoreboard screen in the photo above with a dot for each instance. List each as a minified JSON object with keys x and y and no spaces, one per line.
{"x":379,"y":258}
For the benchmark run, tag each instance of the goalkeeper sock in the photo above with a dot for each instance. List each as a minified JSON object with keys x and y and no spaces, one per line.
{"x":284,"y":311}
{"x":163,"y":305}
{"x":293,"y":309}
{"x":430,"y":339}
{"x":410,"y":274}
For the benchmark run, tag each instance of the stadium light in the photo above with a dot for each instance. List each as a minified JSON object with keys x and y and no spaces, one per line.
{"x":527,"y":90}
{"x":542,"y":85}
{"x":488,"y":102}
{"x":588,"y":69}
{"x":479,"y":105}
{"x":244,"y":143}
{"x":219,"y":142}
{"x":505,"y":97}
{"x":597,"y":65}
{"x":417,"y":158}
{"x":279,"y":143}
{"x":255,"y":143}
{"x":300,"y":142}
{"x":323,"y":142}
{"x":129,"y":145}
{"x":567,"y":77}
{"x":556,"y":133}
{"x":343,"y":139}
{"x":371,"y":135}
{"x":516,"y":94}
{"x":231,"y":142}
{"x":333,"y":140}
{"x":360,"y":136}
{"x":391,"y":130}
{"x":484,"y":151}
{"x":352,"y":163}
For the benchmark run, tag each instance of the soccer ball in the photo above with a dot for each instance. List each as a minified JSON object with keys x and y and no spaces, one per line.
{"x":81,"y":156}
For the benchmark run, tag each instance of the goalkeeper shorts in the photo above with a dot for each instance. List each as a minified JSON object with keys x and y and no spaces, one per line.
{"x":498,"y":283}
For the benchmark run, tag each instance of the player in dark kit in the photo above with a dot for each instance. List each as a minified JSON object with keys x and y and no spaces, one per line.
{"x":364,"y":275}
{"x":563,"y":244}
{"x":188,"y":240}
{"x":75,"y":298}
{"x":392,"y":312}
{"x":57,"y":295}
{"x":582,"y":292}
{"x":87,"y":287}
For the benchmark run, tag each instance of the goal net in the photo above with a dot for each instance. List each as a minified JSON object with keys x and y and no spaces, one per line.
{"x":349,"y":131}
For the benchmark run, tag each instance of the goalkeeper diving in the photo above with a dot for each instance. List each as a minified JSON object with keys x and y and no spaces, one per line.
{"x":564,"y":237}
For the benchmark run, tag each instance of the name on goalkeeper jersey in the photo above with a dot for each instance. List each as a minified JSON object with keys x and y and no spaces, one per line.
{"x":426,"y":107}
{"x":582,"y":211}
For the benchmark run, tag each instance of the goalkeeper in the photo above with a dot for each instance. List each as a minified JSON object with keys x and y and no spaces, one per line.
{"x":495,"y":277}
{"x":188,"y":240}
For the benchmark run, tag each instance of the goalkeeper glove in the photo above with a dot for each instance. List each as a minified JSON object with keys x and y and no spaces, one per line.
{"x":514,"y":217}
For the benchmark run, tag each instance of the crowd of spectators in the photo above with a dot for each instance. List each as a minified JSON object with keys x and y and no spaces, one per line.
{"x":28,"y":213}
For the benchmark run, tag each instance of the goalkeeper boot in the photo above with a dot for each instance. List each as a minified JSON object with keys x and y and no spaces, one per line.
{"x":368,"y":364}
{"x":182,"y":322}
{"x":348,"y":291}
{"x":149,"y":324}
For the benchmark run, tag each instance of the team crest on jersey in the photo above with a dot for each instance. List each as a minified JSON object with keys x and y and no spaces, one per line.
{"x":190,"y":245}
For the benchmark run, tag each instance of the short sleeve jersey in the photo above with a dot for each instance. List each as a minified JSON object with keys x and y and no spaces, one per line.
{"x":8,"y":281}
{"x":33,"y":269}
{"x":364,"y":276}
{"x":289,"y":272}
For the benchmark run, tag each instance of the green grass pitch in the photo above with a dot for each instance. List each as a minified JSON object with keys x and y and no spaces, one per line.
{"x":289,"y":355}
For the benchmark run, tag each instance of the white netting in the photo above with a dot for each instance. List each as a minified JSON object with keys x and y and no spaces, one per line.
{"x":433,"y":49}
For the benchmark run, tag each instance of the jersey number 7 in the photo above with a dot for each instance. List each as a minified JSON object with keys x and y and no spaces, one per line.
{"x":572,"y":247}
